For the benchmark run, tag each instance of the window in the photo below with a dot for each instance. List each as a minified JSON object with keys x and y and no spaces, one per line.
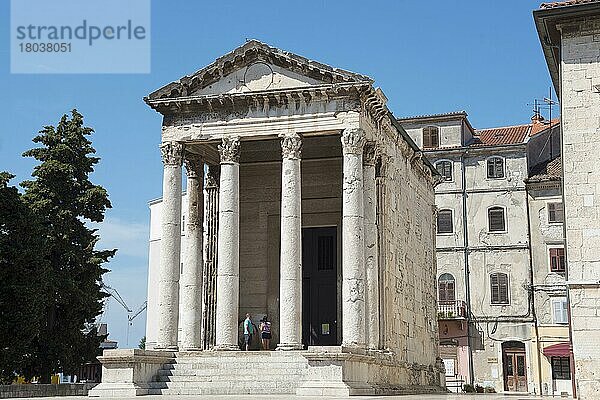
{"x":183,"y":223}
{"x":431,"y":137}
{"x":496,"y":220}
{"x":557,"y":260}
{"x":446,"y":288}
{"x":495,"y":167}
{"x":559,"y":310}
{"x":445,"y":169}
{"x":556,"y":213}
{"x":499,"y":288}
{"x":444,"y":221}
{"x":561,"y":368}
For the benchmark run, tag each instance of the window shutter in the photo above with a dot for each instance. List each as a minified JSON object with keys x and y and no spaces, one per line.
{"x":495,"y":167}
{"x":499,"y":288}
{"x":496,"y":220}
{"x":444,"y":222}
{"x":555,"y":212}
{"x":445,"y":169}
{"x":430,"y":137}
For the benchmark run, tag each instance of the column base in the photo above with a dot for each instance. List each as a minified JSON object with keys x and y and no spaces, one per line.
{"x":166,"y":348}
{"x":356,"y":348}
{"x":226,"y":347}
{"x":190,"y":348}
{"x":289,"y":346}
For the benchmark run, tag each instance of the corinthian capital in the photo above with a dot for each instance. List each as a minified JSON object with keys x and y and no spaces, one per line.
{"x":229,"y":149}
{"x":291,"y":146}
{"x":172,"y":153}
{"x":353,"y":141}
{"x":193,"y":165}
{"x":370,"y":153}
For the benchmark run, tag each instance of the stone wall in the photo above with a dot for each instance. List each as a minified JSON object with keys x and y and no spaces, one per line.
{"x":409,"y":266}
{"x":45,"y":390}
{"x":580,"y":118}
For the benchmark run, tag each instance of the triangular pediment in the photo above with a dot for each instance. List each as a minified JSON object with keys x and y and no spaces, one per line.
{"x":256,"y":66}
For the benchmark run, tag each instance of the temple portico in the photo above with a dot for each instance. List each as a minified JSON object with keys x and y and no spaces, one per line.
{"x":306,"y":202}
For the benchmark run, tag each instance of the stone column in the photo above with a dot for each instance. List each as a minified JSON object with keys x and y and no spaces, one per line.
{"x":353,"y":243}
{"x":371,"y":247}
{"x":290,"y":265}
{"x":210,"y":263}
{"x":228,"y":245}
{"x":191,"y":278}
{"x":170,"y":247}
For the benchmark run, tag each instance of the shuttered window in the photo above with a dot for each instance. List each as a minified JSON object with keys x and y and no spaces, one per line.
{"x":556,"y":213}
{"x":431,"y":137}
{"x":499,"y":288}
{"x":496,"y":219}
{"x":557,"y":260}
{"x":444,"y":221}
{"x":561,"y":368}
{"x":559,"y":310}
{"x":445,"y":169}
{"x":495,"y":167}
{"x":446,"y":288}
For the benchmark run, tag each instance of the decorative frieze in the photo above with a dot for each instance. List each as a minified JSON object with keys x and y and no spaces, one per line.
{"x":172,"y":153}
{"x":229,"y":149}
{"x":291,"y":146}
{"x":353,"y":140}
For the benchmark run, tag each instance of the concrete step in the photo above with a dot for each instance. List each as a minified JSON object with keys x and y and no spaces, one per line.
{"x":229,"y":371}
{"x":229,"y":387}
{"x":290,"y":377}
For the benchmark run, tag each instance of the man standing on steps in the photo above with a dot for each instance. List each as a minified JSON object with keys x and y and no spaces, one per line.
{"x":249,"y":330}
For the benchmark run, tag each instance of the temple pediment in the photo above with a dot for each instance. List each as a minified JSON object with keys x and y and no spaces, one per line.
{"x":256,"y":67}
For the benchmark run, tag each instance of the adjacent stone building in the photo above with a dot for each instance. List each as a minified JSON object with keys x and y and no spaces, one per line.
{"x":492,"y":258}
{"x":306,"y":201}
{"x":569,"y":32}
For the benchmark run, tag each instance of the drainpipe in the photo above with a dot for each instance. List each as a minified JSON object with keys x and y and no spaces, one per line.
{"x":466,"y":254}
{"x":535,"y":321}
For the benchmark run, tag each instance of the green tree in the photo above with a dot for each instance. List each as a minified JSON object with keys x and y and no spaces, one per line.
{"x":63,"y":197}
{"x":22,"y":280}
{"x":142,"y":344}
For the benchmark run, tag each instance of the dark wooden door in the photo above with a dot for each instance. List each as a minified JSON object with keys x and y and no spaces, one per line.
{"x":515,"y":370}
{"x":319,"y":286}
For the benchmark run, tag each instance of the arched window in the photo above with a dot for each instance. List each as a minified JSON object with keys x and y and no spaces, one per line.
{"x":499,"y":288}
{"x":444,"y":167}
{"x":444,"y":221}
{"x":446,"y":288}
{"x":495,"y":167}
{"x":496,"y":219}
{"x":431,"y":137}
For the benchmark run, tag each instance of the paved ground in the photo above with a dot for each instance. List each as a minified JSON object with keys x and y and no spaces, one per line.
{"x":285,"y":397}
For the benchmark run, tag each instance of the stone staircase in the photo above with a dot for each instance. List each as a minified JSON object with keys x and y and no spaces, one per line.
{"x":254,"y":372}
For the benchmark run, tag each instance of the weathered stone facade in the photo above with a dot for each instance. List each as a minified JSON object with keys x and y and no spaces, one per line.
{"x":301,"y":146}
{"x":569,"y":34}
{"x":478,"y":332}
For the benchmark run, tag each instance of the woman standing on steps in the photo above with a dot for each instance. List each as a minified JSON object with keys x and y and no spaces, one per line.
{"x":265,"y":332}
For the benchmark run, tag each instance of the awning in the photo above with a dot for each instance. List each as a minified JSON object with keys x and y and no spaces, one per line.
{"x":558,"y":350}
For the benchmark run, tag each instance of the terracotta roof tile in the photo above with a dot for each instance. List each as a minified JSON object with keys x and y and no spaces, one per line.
{"x":547,"y":170}
{"x":556,"y":4}
{"x":504,"y":135}
{"x":542,"y":126}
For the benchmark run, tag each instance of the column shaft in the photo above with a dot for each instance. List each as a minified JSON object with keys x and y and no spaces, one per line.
{"x":353,"y":245}
{"x":210,"y":263}
{"x":228,"y":263}
{"x":170,"y":247}
{"x":191,"y":278}
{"x":290,"y":279}
{"x":371,"y":248}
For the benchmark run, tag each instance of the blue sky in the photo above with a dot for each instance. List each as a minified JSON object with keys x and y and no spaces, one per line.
{"x":428,"y":57}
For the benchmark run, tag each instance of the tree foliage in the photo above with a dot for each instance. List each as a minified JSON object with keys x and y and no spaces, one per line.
{"x":22,"y":275}
{"x":63,"y":199}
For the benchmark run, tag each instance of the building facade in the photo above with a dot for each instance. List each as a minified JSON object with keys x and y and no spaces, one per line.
{"x":486,"y":272}
{"x":310,"y":221}
{"x":569,"y":33}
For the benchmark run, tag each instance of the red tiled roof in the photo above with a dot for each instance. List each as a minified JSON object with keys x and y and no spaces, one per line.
{"x":547,"y":170}
{"x":542,"y":126}
{"x":556,"y":4}
{"x":505,"y":135}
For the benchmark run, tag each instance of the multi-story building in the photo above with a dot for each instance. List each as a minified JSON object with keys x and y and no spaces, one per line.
{"x":569,"y":33}
{"x":486,"y":283}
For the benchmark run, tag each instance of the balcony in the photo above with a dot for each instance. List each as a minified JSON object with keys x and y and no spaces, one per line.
{"x":456,"y":309}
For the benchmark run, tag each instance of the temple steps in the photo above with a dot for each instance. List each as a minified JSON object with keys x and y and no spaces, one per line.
{"x":259,"y":372}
